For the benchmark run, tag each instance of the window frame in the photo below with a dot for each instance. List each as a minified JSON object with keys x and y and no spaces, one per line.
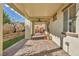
{"x":69,"y":28}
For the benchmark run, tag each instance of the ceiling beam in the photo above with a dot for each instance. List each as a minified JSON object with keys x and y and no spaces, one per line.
{"x":42,"y":17}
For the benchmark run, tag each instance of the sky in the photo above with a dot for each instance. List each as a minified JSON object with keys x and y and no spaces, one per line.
{"x":13,"y":15}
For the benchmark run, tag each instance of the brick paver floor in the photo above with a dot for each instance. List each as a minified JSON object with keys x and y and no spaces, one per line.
{"x":40,"y":48}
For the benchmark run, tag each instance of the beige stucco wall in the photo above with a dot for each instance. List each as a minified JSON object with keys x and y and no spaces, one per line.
{"x":56,"y":28}
{"x":1,"y":30}
{"x":73,"y":45}
{"x":73,"y":42}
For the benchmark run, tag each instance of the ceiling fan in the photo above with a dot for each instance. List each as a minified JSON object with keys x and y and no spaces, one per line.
{"x":39,"y":19}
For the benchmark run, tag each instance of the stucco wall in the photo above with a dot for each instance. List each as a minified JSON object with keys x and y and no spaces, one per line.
{"x":56,"y":28}
{"x":72,"y":41}
{"x":73,"y":47}
{"x":70,"y":44}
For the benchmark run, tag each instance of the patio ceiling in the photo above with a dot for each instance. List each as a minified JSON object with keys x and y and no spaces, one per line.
{"x":34,"y":11}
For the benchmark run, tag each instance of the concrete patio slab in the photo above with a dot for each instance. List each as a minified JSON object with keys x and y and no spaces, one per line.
{"x":39,"y":47}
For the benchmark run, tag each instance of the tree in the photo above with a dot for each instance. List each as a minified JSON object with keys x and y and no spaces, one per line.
{"x":6,"y":18}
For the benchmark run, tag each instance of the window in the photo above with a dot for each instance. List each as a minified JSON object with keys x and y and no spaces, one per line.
{"x":70,"y":19}
{"x":65,"y":22}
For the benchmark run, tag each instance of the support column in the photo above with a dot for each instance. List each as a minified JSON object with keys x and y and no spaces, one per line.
{"x":1,"y":28}
{"x":48,"y":30}
{"x":48,"y":27}
{"x":27,"y":31}
{"x":77,"y":18}
{"x":32,"y":28}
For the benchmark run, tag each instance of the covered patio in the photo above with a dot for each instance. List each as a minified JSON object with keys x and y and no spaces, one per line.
{"x":44,"y":33}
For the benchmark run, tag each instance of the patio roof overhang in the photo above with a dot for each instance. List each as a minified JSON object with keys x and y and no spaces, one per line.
{"x":35,"y":11}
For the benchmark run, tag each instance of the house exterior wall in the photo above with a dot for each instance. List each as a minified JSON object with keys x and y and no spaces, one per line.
{"x":73,"y":47}
{"x":73,"y":42}
{"x":70,"y":44}
{"x":56,"y":28}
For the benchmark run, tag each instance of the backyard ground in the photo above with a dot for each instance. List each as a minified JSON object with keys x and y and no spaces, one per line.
{"x":12,"y":38}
